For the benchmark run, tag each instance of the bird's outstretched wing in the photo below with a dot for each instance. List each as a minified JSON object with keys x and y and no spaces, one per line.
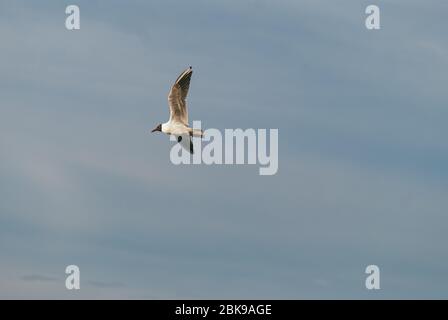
{"x":177,"y":97}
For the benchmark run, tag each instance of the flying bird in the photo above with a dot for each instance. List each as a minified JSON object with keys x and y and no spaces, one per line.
{"x":177,"y":125}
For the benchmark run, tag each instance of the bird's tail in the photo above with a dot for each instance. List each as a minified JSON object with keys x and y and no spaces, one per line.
{"x":197,"y":133}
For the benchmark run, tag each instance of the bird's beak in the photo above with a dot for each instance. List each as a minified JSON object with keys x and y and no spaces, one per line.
{"x":154,"y":130}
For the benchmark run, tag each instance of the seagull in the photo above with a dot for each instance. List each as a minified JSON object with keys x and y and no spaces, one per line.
{"x":177,"y":125}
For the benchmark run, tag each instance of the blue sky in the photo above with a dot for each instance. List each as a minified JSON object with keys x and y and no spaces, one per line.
{"x":363,"y":157}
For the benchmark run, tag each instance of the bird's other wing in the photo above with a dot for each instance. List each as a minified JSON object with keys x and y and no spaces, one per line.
{"x":177,"y":97}
{"x":186,"y":142}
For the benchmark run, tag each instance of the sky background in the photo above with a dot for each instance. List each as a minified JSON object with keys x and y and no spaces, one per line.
{"x":363,"y":155}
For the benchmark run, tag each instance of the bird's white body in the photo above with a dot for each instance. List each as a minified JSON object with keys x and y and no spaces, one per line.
{"x":174,"y":128}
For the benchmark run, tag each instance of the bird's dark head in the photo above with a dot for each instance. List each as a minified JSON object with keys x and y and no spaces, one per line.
{"x":158,"y":128}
